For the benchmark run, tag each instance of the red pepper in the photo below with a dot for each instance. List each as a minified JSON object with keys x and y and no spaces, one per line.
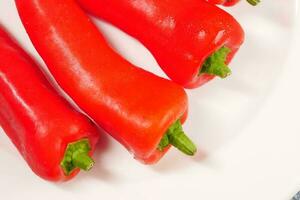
{"x":232,"y":2}
{"x":183,"y":35}
{"x":53,"y":138}
{"x":137,"y":108}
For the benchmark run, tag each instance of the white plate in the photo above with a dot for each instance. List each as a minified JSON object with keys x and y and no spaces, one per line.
{"x":248,"y":167}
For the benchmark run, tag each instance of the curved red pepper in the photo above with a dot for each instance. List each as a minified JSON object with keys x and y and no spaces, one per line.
{"x":180,"y":34}
{"x":133,"y":105}
{"x":42,"y":125}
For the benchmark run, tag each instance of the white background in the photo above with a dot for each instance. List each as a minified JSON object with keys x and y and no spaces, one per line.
{"x":258,"y":105}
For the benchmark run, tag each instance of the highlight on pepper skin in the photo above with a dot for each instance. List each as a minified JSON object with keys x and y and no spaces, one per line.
{"x":195,"y":52}
{"x":137,"y":109}
{"x":54,"y":139}
{"x":144,"y":112}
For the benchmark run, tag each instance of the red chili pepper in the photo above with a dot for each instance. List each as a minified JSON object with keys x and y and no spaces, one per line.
{"x":134,"y":106}
{"x":53,"y":138}
{"x":232,"y":2}
{"x":190,"y":39}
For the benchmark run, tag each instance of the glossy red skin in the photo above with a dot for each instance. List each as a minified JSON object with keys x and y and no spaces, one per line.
{"x":224,"y":2}
{"x":134,"y":106}
{"x":180,"y":34}
{"x":35,"y":117}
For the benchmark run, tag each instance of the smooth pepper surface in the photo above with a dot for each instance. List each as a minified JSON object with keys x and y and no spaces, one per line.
{"x":133,"y":105}
{"x":38,"y":120}
{"x":180,"y":34}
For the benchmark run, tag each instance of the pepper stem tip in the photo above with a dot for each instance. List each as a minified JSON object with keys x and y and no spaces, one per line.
{"x":176,"y":137}
{"x":253,"y":2}
{"x":77,"y":156}
{"x":216,"y":64}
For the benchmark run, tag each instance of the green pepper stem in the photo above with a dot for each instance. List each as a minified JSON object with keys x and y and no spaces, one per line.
{"x":216,"y":64}
{"x":164,"y":142}
{"x":253,"y":2}
{"x":181,"y":141}
{"x":83,"y":161}
{"x":77,"y":156}
{"x":176,"y":137}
